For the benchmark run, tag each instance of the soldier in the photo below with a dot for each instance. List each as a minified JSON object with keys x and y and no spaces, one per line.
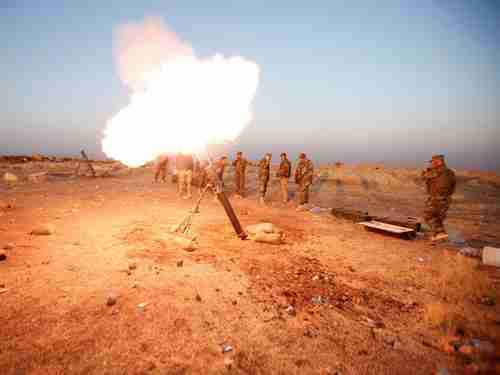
{"x":161,"y":163}
{"x":220,"y":165}
{"x":240,"y":166}
{"x":284,"y":173}
{"x":440,"y":182}
{"x":304,"y":177}
{"x":185,"y":165}
{"x":264,"y":174}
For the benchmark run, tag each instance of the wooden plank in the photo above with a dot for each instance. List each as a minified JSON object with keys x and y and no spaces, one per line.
{"x":386,"y":227}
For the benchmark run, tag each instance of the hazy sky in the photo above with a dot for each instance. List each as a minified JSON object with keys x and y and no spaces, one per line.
{"x":357,"y":81}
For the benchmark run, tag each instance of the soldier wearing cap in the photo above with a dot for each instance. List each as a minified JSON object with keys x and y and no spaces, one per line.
{"x":304,"y":177}
{"x":264,"y":174}
{"x":240,"y":166}
{"x":440,"y":182}
{"x":284,"y":173}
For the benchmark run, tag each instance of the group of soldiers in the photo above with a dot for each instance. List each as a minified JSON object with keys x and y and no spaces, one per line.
{"x":439,"y":179}
{"x":187,"y":167}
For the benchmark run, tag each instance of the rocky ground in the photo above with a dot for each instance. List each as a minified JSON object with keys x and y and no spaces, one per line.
{"x":102,"y":291}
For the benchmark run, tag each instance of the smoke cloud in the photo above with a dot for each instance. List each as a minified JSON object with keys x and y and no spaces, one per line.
{"x":179,"y":102}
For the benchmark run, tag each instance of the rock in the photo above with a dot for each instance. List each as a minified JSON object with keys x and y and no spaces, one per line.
{"x":180,"y":263}
{"x":43,"y":230}
{"x":315,"y":210}
{"x":262,"y":227}
{"x":198,"y":297}
{"x":9,"y":246}
{"x":228,"y":362}
{"x":10,"y":177}
{"x":142,"y":305}
{"x":315,"y":278}
{"x":3,"y":255}
{"x":112,"y":298}
{"x":491,"y":256}
{"x":270,"y":238}
{"x":37,"y":177}
{"x":291,"y":310}
{"x":227,"y":349}
{"x":132,"y":266}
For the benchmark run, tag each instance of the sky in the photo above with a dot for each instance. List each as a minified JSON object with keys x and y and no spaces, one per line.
{"x":355,"y":81}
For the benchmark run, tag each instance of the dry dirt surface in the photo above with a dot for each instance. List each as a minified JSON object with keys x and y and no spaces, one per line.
{"x":103,"y":294}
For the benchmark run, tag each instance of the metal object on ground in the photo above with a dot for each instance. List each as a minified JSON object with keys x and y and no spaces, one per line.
{"x":408,"y":222}
{"x":391,"y":228}
{"x":185,"y":224}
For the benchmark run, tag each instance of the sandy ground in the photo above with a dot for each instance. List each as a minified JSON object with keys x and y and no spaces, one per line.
{"x":333,"y":299}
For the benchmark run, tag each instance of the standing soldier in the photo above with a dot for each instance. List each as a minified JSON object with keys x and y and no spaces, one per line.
{"x":264,"y":174}
{"x":185,"y":165}
{"x":240,"y":166}
{"x":440,"y":182}
{"x":220,"y":165}
{"x":284,"y":173}
{"x":161,"y":163}
{"x":304,"y":177}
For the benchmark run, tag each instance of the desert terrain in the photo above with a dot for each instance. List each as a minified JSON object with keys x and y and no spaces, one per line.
{"x":102,"y":294}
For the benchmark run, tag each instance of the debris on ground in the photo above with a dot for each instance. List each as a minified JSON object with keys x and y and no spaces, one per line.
{"x":37,"y":177}
{"x":291,"y":310}
{"x":10,"y":177}
{"x":470,"y":252}
{"x":111,"y":300}
{"x":180,"y":263}
{"x":43,"y":230}
{"x":132,"y":266}
{"x":491,"y":256}
{"x":142,"y":305}
{"x":227,"y":348}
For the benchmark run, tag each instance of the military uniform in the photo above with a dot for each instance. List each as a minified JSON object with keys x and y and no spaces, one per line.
{"x":220,"y":166}
{"x":185,"y":165}
{"x":264,"y":175}
{"x":161,"y":163}
{"x":440,"y":182}
{"x":240,"y":166}
{"x":284,"y":173}
{"x":304,"y":177}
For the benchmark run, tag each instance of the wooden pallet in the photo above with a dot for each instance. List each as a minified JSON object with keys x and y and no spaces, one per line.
{"x":408,"y":233}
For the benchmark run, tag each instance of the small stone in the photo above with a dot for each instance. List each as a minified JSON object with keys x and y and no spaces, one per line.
{"x":228,"y":362}
{"x":198,"y":297}
{"x":291,"y":310}
{"x":43,"y":230}
{"x":3,"y":255}
{"x":180,"y":263}
{"x":9,"y":246}
{"x":10,"y":177}
{"x":227,"y":349}
{"x":142,"y":305}
{"x":132,"y":266}
{"x":235,"y":302}
{"x":316,"y":277}
{"x":111,"y":300}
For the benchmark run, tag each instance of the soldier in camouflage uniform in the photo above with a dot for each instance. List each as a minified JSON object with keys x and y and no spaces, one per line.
{"x":240,"y":166}
{"x":161,"y":163}
{"x":284,"y":173}
{"x":304,"y":177}
{"x":264,"y":175}
{"x":440,"y":182}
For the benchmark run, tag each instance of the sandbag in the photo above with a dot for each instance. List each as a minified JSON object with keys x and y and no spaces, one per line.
{"x":271,"y":238}
{"x":261,"y":228}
